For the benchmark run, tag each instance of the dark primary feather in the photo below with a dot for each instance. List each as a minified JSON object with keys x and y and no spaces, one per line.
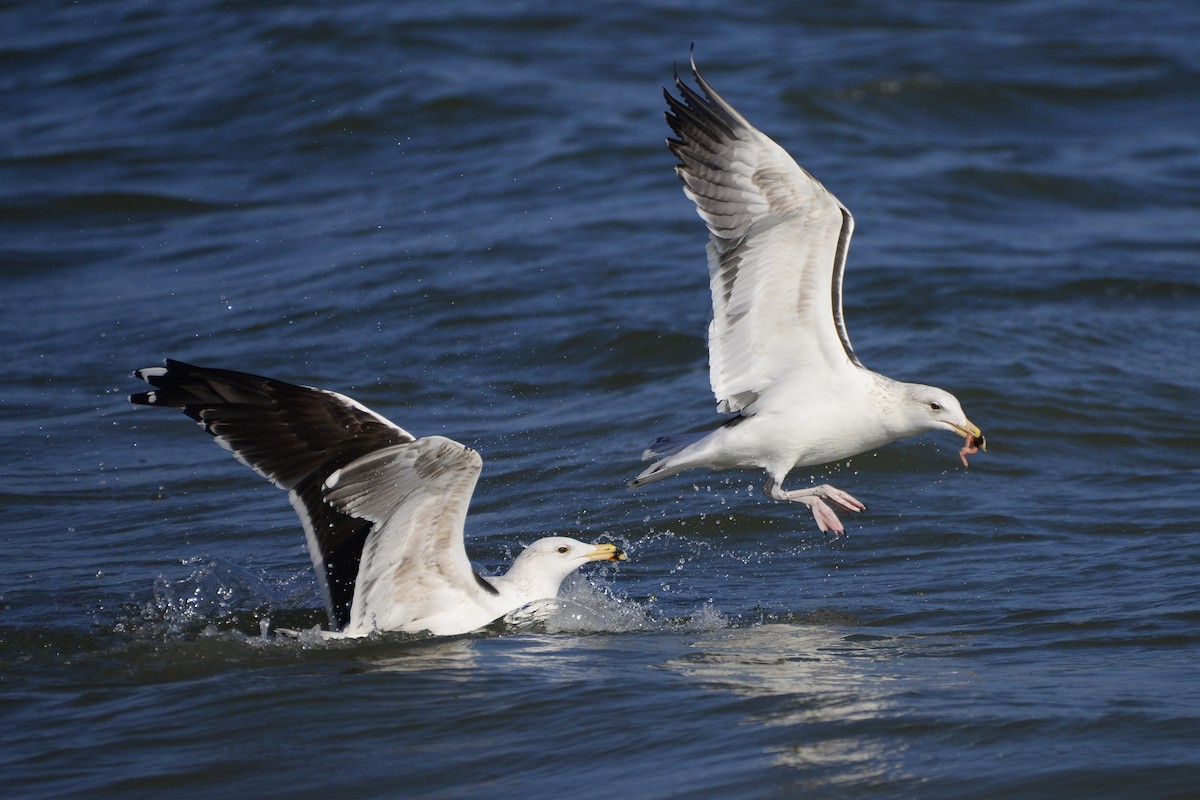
{"x":295,"y":436}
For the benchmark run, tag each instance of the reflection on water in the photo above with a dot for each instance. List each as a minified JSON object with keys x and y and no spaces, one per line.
{"x":786,"y":661}
{"x":546,"y":643}
{"x":454,"y":659}
{"x":555,"y":659}
{"x":811,"y":676}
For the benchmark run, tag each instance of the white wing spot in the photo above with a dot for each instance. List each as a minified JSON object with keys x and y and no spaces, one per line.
{"x":332,"y":481}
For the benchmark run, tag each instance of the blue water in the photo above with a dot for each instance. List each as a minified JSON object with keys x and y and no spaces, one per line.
{"x":463,"y":215}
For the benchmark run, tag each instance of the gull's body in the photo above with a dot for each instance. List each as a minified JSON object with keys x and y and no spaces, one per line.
{"x":383,"y":511}
{"x":780,"y":358}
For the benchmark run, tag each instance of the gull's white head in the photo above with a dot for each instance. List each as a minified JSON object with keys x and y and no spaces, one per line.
{"x":543,"y":565}
{"x":569,"y":554}
{"x":928,"y":408}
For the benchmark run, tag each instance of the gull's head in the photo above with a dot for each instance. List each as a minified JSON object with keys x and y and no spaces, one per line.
{"x":556,"y":557}
{"x":928,"y":408}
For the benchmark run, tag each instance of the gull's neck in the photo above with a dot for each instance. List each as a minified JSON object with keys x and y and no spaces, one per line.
{"x":528,"y":580}
{"x":892,"y":408}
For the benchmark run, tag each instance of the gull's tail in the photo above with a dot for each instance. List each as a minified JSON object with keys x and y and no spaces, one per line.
{"x":665,"y":448}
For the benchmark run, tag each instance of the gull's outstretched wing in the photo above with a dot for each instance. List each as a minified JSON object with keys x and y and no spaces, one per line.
{"x":776,"y":252}
{"x":296,"y":437}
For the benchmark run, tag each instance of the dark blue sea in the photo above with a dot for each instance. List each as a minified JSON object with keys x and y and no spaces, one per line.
{"x":463,"y":214}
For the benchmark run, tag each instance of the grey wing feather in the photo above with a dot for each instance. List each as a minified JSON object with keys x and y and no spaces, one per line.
{"x":414,"y":562}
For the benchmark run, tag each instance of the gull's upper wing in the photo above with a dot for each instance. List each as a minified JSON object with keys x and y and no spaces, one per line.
{"x":414,"y":564}
{"x":776,"y":252}
{"x":295,"y":436}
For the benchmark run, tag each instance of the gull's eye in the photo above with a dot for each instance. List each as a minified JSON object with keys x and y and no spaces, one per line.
{"x":563,"y":549}
{"x":936,"y":406}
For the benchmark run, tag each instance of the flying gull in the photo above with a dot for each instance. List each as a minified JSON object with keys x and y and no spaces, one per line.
{"x":780,"y":359}
{"x":382,"y":511}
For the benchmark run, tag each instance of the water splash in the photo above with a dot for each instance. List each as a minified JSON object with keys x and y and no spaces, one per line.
{"x":219,"y":593}
{"x":583,"y":607}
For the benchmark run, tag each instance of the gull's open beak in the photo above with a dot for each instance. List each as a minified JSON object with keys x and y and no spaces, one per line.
{"x":607,"y":552}
{"x":972,"y":430}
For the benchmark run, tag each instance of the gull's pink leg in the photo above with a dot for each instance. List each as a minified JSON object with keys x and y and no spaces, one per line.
{"x":812,"y":497}
{"x":823,"y":514}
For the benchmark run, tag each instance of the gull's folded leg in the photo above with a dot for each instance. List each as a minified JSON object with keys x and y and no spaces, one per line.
{"x":823,"y":514}
{"x":812,"y":497}
{"x":843,"y":499}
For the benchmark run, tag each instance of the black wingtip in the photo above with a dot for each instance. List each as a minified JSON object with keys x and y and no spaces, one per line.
{"x":691,"y":61}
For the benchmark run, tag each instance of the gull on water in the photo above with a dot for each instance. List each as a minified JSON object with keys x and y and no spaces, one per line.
{"x":382,"y":511}
{"x":780,"y":359}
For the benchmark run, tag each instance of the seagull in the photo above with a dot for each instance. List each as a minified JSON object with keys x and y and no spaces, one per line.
{"x":780,"y":360}
{"x":382,"y":510}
